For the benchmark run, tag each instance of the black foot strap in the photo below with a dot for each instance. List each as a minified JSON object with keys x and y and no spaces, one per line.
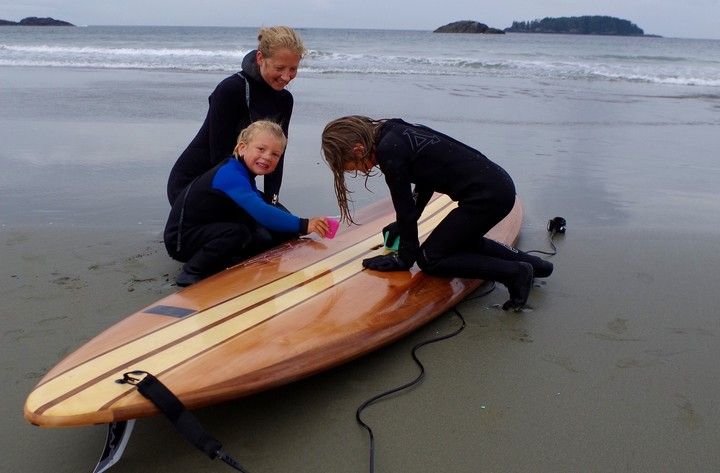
{"x":183,"y":420}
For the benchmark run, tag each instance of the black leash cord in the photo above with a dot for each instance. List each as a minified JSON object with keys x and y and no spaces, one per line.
{"x":415,"y":381}
{"x":183,"y":420}
{"x":556,"y":225}
{"x":552,"y":243}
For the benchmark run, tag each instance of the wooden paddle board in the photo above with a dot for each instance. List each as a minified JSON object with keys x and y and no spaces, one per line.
{"x":293,"y":311}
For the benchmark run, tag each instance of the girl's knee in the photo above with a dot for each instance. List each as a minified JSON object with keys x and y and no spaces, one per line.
{"x":426,"y":261}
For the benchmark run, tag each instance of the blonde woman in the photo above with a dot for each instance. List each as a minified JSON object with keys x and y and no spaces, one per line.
{"x":257,"y":92}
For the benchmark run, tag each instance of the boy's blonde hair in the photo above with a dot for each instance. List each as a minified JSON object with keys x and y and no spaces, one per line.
{"x":261,"y":126}
{"x":272,"y":38}
{"x":339,"y":139}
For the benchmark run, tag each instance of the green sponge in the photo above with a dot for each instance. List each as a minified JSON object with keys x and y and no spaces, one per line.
{"x":394,"y":245}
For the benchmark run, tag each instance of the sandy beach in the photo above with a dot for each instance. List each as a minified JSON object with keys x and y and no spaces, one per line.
{"x":612,"y":368}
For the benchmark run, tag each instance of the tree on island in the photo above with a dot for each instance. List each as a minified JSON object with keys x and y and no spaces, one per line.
{"x":600,"y":25}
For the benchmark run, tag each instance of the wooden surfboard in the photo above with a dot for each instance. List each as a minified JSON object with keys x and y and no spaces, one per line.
{"x":296,"y":310}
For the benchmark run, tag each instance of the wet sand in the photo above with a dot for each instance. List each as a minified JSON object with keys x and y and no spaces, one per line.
{"x":612,"y":368}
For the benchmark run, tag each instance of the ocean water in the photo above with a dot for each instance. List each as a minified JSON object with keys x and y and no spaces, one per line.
{"x":601,"y":130}
{"x":214,"y":49}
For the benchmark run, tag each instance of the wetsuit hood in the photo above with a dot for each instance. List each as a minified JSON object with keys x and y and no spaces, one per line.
{"x":251,"y":69}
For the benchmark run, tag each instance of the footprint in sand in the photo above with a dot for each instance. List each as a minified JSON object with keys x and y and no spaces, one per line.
{"x":562,"y":361}
{"x":68,"y":282}
{"x":687,"y":415}
{"x":617,"y":327}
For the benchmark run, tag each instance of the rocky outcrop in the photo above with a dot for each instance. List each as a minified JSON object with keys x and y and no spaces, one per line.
{"x":468,"y":26}
{"x":35,"y":21}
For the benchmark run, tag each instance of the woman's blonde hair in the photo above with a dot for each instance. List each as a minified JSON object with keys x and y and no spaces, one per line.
{"x":339,"y":139}
{"x":272,"y":38}
{"x":261,"y":126}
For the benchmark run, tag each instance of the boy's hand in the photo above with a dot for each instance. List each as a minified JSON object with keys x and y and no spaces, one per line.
{"x":318,"y":225}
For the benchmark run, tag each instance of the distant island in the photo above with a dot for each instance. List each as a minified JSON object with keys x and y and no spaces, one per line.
{"x":35,"y":21}
{"x":468,"y":26}
{"x":598,"y":25}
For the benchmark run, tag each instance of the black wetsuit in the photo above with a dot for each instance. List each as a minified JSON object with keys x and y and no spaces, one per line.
{"x":414,"y":154}
{"x":222,"y":218}
{"x":228,"y":114}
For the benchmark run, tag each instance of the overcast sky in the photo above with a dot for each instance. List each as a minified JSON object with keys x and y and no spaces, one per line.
{"x":671,"y":18}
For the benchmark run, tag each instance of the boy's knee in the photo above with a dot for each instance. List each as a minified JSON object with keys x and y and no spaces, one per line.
{"x":243,"y":235}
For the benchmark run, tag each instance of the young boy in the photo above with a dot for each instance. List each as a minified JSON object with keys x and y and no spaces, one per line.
{"x":221,"y":218}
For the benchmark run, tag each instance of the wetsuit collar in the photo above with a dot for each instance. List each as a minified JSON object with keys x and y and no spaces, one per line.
{"x":251,"y":69}
{"x":241,"y":162}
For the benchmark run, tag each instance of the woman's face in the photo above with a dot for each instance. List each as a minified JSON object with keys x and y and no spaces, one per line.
{"x":280,"y":68}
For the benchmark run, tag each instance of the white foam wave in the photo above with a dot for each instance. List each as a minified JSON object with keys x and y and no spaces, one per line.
{"x":153,"y":52}
{"x":120,"y":65}
{"x":654,"y":69}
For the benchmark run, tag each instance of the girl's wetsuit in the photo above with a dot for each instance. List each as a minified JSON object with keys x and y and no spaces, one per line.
{"x":222,"y":218}
{"x":236,"y":102}
{"x":434,"y":162}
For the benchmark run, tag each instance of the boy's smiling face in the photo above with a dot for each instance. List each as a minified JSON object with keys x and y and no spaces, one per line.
{"x":261,"y":154}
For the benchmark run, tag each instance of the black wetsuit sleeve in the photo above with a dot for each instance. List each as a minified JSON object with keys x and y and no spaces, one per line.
{"x":422,"y":196}
{"x":405,"y":215}
{"x":394,"y":158}
{"x":227,"y":115}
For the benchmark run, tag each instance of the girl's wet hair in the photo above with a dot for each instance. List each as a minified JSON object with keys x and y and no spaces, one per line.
{"x":339,"y":138}
{"x":262,"y":126}
{"x":272,"y":38}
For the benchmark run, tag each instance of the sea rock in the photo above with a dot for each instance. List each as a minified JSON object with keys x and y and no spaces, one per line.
{"x":35,"y":21}
{"x":468,"y":26}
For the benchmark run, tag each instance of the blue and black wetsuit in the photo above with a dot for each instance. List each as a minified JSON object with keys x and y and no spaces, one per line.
{"x":236,"y":102}
{"x":410,"y":154}
{"x":222,"y":218}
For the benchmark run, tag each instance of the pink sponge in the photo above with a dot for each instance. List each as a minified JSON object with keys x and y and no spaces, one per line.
{"x":334,"y":224}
